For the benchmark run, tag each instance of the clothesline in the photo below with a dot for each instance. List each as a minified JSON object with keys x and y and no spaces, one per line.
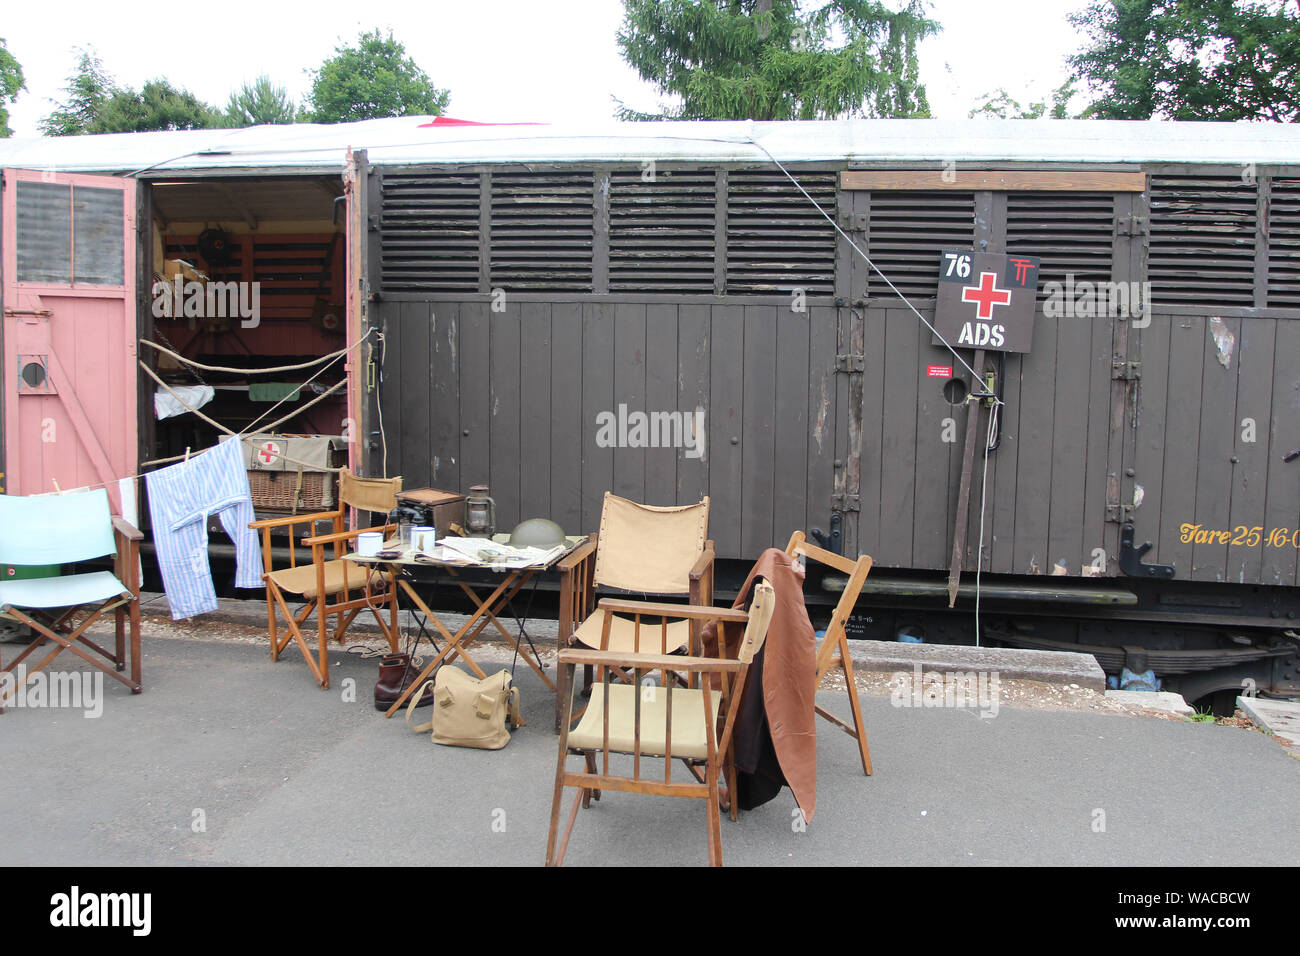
{"x":314,"y":466}
{"x":327,"y":359}
{"x":241,"y":435}
{"x":319,"y":372}
{"x":255,"y":371}
{"x":220,"y":427}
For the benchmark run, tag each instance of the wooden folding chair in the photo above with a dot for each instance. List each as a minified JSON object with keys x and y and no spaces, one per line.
{"x":644,"y":720}
{"x":833,"y":651}
{"x":326,"y":578}
{"x":643,"y":550}
{"x":65,"y":529}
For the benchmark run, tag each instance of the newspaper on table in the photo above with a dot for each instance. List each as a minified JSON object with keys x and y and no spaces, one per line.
{"x":484,"y":552}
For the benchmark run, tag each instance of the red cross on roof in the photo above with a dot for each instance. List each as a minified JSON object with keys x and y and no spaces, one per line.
{"x":986,"y":294}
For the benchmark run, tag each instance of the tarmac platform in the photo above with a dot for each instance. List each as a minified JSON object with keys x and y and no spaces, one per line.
{"x":228,"y":758}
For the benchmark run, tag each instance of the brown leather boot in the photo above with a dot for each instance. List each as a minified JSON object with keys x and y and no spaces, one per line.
{"x":396,"y":674}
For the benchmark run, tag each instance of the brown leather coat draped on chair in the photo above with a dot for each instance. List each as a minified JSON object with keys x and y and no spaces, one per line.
{"x":789,"y":679}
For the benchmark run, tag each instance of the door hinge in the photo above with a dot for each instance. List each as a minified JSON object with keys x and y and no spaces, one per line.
{"x":853,"y":221}
{"x":845,"y":502}
{"x":374,"y":222}
{"x":1131,"y":226}
{"x":847,"y":362}
{"x":1120,"y":514}
{"x":1126,"y":371}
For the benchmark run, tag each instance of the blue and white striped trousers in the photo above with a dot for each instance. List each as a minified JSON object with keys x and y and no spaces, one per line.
{"x":181,"y":497}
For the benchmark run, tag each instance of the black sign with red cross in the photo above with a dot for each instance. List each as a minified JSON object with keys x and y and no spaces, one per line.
{"x":986,"y":301}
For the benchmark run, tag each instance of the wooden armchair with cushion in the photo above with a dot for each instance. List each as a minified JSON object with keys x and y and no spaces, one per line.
{"x":643,"y":722}
{"x":350,"y":585}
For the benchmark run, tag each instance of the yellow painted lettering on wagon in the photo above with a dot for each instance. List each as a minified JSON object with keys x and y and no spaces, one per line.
{"x":1241,"y":536}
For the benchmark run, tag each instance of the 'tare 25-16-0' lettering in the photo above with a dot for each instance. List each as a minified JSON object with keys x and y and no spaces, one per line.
{"x":1240,"y":536}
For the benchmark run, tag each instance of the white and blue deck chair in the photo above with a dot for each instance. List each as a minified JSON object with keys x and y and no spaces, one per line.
{"x":66,"y":529}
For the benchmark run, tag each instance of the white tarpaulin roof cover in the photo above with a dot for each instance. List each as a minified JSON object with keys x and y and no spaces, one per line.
{"x":406,"y":140}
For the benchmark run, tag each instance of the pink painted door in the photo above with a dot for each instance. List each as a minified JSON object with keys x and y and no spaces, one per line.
{"x":69,"y":374}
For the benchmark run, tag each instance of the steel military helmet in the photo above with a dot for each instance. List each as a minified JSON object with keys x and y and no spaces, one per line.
{"x":537,"y":533}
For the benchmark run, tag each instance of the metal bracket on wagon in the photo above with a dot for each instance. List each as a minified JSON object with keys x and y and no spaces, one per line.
{"x":835,"y":540}
{"x":1130,"y":558}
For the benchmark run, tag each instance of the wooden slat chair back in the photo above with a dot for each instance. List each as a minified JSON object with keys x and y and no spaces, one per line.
{"x":652,"y":721}
{"x":833,"y":651}
{"x":66,"y":529}
{"x":353,"y":586}
{"x":649,"y":550}
{"x":642,"y":549}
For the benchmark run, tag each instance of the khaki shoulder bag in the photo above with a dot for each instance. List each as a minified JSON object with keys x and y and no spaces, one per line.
{"x":468,"y":712}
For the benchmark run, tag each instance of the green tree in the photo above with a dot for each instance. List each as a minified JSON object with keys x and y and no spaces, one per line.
{"x":261,"y":103}
{"x":96,"y":104}
{"x":88,"y":89}
{"x":777,"y":59}
{"x":157,"y":106}
{"x":373,"y":79}
{"x":11,"y":84}
{"x":999,"y":104}
{"x":1182,"y":60}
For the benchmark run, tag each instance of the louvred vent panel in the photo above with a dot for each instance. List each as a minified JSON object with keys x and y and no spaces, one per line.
{"x":777,"y":241}
{"x":1202,"y":240}
{"x":542,"y":225}
{"x":661,"y":230}
{"x":907,"y":233}
{"x":1284,"y":244}
{"x":1072,"y":234}
{"x":430,"y":224}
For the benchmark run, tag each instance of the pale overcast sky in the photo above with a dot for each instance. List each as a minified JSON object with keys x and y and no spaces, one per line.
{"x":503,"y":60}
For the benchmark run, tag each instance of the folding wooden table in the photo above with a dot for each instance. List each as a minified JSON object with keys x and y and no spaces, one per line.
{"x":486,"y":612}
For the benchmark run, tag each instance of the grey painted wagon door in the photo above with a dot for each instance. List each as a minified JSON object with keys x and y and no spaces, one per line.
{"x":1218,"y":406}
{"x":1061,"y":431}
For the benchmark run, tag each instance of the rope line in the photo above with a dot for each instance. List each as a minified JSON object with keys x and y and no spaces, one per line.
{"x":220,"y":427}
{"x":257,"y":371}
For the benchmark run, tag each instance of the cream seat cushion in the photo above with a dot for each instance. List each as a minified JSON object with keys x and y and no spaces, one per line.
{"x":623,"y":638}
{"x":302,"y":579}
{"x":689,"y":726}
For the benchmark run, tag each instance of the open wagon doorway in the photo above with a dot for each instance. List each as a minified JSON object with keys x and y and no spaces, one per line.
{"x":248,"y":293}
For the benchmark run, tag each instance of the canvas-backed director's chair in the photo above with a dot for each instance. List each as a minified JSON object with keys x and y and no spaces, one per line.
{"x":66,"y":529}
{"x":833,"y":651}
{"x":352,"y":586}
{"x":639,"y":550}
{"x":643,"y":722}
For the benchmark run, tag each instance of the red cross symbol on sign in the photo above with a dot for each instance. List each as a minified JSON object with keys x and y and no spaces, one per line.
{"x":986,"y":294}
{"x":268,"y":452}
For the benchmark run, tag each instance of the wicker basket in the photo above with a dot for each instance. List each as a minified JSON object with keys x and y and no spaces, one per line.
{"x":292,"y":491}
{"x":287,"y":488}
